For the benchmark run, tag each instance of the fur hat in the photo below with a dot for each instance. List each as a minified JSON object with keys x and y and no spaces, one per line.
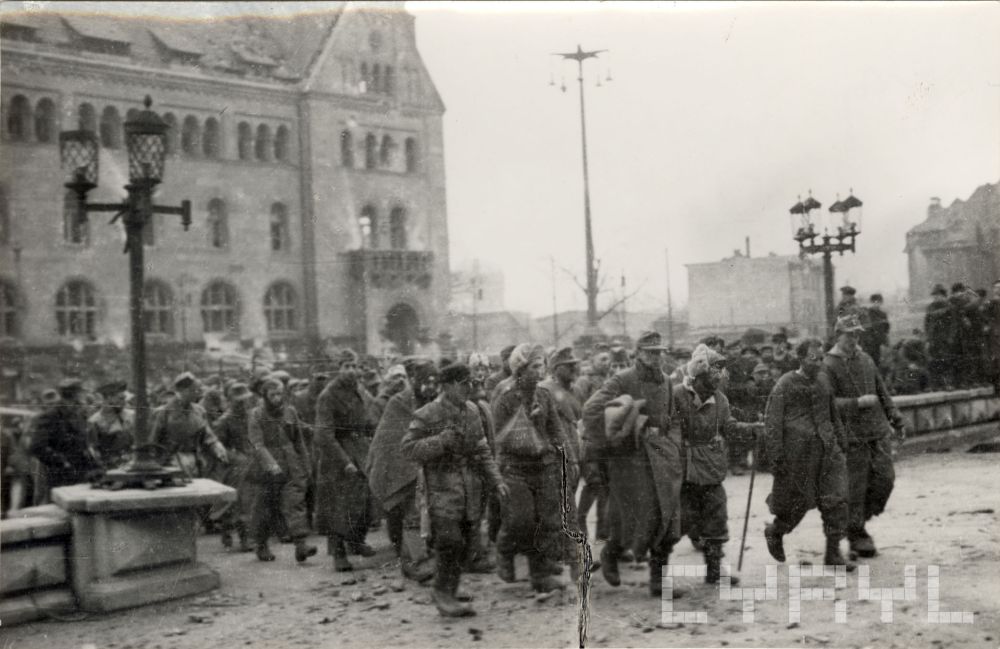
{"x":523,"y":355}
{"x":702,"y":358}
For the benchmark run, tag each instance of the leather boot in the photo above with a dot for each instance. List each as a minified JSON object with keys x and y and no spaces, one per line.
{"x":775,"y":545}
{"x":505,"y":568}
{"x":713,"y":561}
{"x":862,"y":544}
{"x":263,"y":552}
{"x":340,"y":562}
{"x":445,"y":585}
{"x":609,"y":566}
{"x":362,"y":549}
{"x":655,"y":578}
{"x":303,"y":550}
{"x":419,"y":571}
{"x":833,"y":556}
{"x":245,"y":545}
{"x":227,"y":540}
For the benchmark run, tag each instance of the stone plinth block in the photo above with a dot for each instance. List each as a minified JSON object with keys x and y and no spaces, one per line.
{"x":133,"y":547}
{"x":31,"y":566}
{"x":35,"y":605}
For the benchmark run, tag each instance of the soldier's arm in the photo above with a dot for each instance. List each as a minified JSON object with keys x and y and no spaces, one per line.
{"x":482,"y":455}
{"x":423,"y":443}
{"x":847,"y":406}
{"x":891,"y":412}
{"x":839,"y":430}
{"x":256,"y":437}
{"x":774,"y":423}
{"x":595,"y":437}
{"x":40,"y":446}
{"x":158,"y":429}
{"x":326,"y":437}
{"x":735,"y":430}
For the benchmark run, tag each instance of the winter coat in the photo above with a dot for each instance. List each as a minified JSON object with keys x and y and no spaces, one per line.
{"x":275,"y":442}
{"x":59,"y":441}
{"x":645,"y":472}
{"x":110,"y":436}
{"x":341,"y":437}
{"x":392,"y":477}
{"x":455,"y":469}
{"x":851,"y":377}
{"x":799,"y":410}
{"x":939,"y":325}
{"x":570,"y":412}
{"x":705,"y":427}
{"x":545,"y":420}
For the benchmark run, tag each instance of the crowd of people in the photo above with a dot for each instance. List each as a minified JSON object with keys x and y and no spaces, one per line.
{"x":470,"y":464}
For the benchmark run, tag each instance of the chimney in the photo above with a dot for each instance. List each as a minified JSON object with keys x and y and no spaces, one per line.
{"x":934,"y":207}
{"x":748,"y":247}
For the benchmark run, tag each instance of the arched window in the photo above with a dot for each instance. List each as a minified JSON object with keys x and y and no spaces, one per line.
{"x":389,"y":80}
{"x":371,"y":151}
{"x":397,"y":228}
{"x":263,"y":145}
{"x":45,"y":120}
{"x":19,"y":118}
{"x":172,"y":137}
{"x":279,"y":308}
{"x":191,"y":136}
{"x":9,"y":325}
{"x":385,"y":151}
{"x":218,"y":223}
{"x":346,"y":149}
{"x":244,"y":137}
{"x":366,"y":81}
{"x":376,"y":78}
{"x":158,"y":312}
{"x":75,"y":231}
{"x":411,"y":155}
{"x":279,"y":228}
{"x":219,"y":313}
{"x":111,"y":128}
{"x":87,"y":117}
{"x":368,"y":222}
{"x":76,"y":310}
{"x":210,"y":141}
{"x":281,"y":144}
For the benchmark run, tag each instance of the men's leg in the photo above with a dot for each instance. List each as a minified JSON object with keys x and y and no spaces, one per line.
{"x":394,"y":517}
{"x":832,"y":493}
{"x":714,"y":529}
{"x":858,"y":473}
{"x":546,"y":492}
{"x":881,"y":478}
{"x":449,"y":544}
{"x":293,"y":507}
{"x":517,"y":524}
{"x":260,"y":518}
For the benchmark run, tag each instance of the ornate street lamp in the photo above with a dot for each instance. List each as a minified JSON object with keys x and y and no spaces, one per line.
{"x":841,"y":242}
{"x":145,"y":137}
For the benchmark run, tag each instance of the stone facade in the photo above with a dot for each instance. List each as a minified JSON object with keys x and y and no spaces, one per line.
{"x":958,"y":243}
{"x":729,"y":296}
{"x":310,"y":147}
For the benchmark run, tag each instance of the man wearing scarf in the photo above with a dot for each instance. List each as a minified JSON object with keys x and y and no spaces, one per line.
{"x":393,"y":479}
{"x":706,"y":423}
{"x":281,"y":469}
{"x":343,"y":508}
{"x":532,"y":520}
{"x":644,"y":469}
{"x":869,"y":416}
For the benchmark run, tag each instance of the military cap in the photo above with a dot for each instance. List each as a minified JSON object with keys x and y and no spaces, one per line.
{"x":848,"y":290}
{"x":395,"y":370}
{"x":876,"y":297}
{"x":184,"y":380}
{"x":455,"y":373}
{"x":957,"y":287}
{"x":562,"y":356}
{"x":939,"y":290}
{"x":650,"y":341}
{"x":848,"y":323}
{"x":505,"y":352}
{"x":280,"y":375}
{"x":238,"y":392}
{"x":70,"y":384}
{"x":111,"y":388}
{"x":50,"y":396}
{"x":761,"y":367}
{"x":347,"y":356}
{"x":476,"y":359}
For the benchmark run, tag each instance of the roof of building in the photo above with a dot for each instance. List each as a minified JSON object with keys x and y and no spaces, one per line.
{"x":962,"y":222}
{"x":276,"y":48}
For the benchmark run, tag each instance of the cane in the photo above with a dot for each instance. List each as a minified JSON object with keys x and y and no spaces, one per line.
{"x":746,"y":517}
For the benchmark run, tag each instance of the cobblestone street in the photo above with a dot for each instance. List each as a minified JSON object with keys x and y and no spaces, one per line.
{"x":942,"y":513}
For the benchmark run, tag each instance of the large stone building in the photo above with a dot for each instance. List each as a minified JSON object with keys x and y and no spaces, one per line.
{"x":958,"y":243}
{"x":309,"y":146}
{"x":740,"y":292}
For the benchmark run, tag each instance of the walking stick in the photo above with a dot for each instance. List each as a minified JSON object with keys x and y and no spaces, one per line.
{"x":746,"y":517}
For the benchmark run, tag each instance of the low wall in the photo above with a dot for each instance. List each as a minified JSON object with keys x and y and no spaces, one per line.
{"x":937,"y":421}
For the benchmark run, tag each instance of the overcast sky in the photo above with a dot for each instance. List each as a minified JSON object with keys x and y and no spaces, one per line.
{"x":717,"y":118}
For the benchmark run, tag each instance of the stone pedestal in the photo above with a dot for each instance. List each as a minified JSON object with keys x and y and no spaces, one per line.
{"x":134,"y":547}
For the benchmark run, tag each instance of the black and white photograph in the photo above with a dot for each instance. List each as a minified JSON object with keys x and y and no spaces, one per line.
{"x":416,"y":324}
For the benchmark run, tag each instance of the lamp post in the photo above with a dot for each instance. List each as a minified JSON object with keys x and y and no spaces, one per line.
{"x":842,"y":241}
{"x":145,"y":137}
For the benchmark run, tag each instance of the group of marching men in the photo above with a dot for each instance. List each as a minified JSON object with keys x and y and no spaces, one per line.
{"x":440,"y":452}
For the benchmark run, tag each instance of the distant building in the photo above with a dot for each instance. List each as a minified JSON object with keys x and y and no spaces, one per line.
{"x":727,"y":297}
{"x":958,"y":243}
{"x":489,"y":332}
{"x":310,"y":148}
{"x":479,"y":282}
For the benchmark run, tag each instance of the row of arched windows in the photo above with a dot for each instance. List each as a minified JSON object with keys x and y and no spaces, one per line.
{"x":77,"y":312}
{"x":380,"y":153}
{"x":371,"y":231}
{"x":191,"y":137}
{"x":77,"y":232}
{"x":378,"y":78}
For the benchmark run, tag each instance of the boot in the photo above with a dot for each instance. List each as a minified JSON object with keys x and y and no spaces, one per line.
{"x":834,"y":557}
{"x":656,"y":581}
{"x":713,"y":561}
{"x":609,"y":566}
{"x":362,"y":549}
{"x":340,"y":562}
{"x":303,"y":551}
{"x":227,"y":540}
{"x":245,"y":545}
{"x":263,"y":552}
{"x":862,"y":544}
{"x":546,"y":583}
{"x":445,"y":585}
{"x":775,"y":545}
{"x":505,"y":568}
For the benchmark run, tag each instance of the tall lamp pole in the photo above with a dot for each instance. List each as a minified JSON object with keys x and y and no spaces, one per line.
{"x":145,"y":139}
{"x":840,"y":242}
{"x":580,"y":56}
